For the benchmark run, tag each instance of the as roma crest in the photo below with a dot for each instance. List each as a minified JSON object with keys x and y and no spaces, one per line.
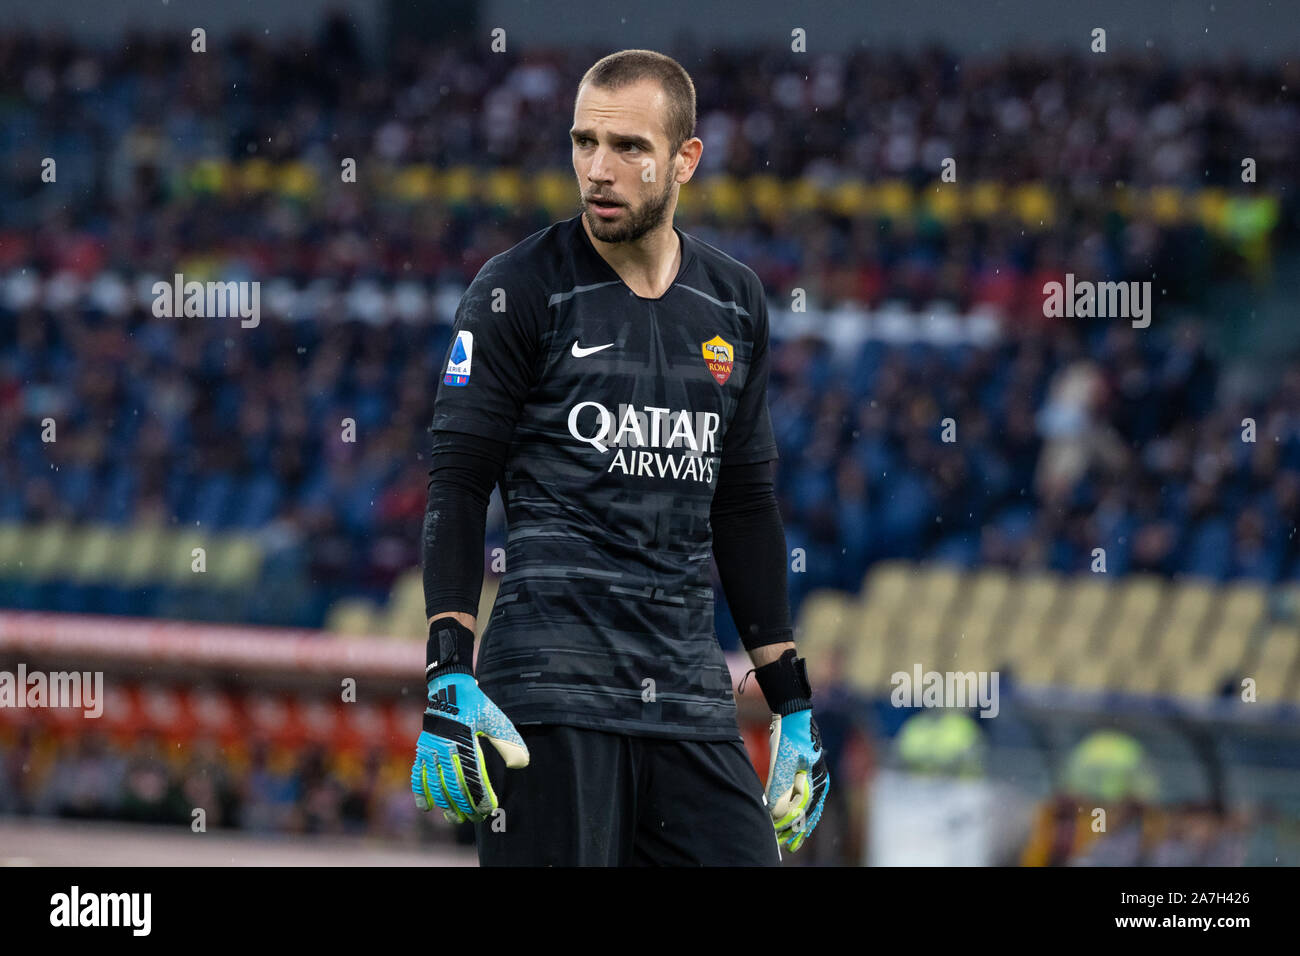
{"x":719,"y":357}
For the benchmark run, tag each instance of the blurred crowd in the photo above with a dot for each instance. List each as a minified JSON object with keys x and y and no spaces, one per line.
{"x":1138,"y":834}
{"x":126,"y":125}
{"x":1066,"y":117}
{"x":266,"y":790}
{"x":1060,"y":441}
{"x":1066,"y":436}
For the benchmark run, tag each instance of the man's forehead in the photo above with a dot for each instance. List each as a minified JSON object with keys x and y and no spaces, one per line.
{"x":638,"y":108}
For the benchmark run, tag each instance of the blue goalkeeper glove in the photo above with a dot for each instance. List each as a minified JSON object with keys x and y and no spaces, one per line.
{"x":449,"y":771}
{"x":797,"y":777}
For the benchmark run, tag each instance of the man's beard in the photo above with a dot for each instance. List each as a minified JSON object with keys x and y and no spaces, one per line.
{"x":632,"y":225}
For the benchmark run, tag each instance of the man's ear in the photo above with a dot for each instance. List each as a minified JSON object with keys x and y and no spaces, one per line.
{"x":696,"y":147}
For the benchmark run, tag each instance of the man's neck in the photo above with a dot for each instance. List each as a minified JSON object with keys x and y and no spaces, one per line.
{"x":647,"y":266}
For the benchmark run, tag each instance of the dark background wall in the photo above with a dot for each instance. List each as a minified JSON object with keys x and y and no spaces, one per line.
{"x":1263,"y":29}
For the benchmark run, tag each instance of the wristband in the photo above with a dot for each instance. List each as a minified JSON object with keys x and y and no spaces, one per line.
{"x":450,"y":649}
{"x":784,"y":684}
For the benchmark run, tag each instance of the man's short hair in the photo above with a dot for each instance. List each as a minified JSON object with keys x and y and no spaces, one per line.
{"x":632,"y":66}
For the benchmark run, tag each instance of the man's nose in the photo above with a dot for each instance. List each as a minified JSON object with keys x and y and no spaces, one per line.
{"x":596,"y":172}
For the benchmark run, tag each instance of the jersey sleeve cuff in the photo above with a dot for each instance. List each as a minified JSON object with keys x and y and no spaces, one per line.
{"x":464,"y":425}
{"x":751,"y":457}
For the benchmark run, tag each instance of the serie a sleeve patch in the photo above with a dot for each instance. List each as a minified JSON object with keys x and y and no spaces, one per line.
{"x":462,"y":352}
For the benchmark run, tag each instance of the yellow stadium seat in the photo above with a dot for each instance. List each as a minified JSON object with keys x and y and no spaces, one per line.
{"x":975,"y":631}
{"x":97,"y":554}
{"x":1091,"y":672}
{"x":209,"y":175}
{"x":1225,"y":650}
{"x":1141,"y":596}
{"x":48,"y":550}
{"x":353,"y":618}
{"x":1034,"y":205}
{"x":965,"y":654}
{"x":69,"y":554}
{"x":921,"y":632}
{"x":1180,"y":629}
{"x":893,"y":198}
{"x":1143,"y":677}
{"x":405,"y":610}
{"x":1229,"y":637}
{"x":502,"y":187}
{"x":1119,"y":671}
{"x":16,"y":542}
{"x":234,"y":561}
{"x":943,"y":203}
{"x":871,"y":649}
{"x":1164,"y":204}
{"x":406,"y":587}
{"x":1074,"y":629}
{"x":144,"y":547}
{"x":414,"y":183}
{"x":1071,"y":640}
{"x":11,"y":549}
{"x":870,"y":660}
{"x":1123,"y":641}
{"x":1136,"y":619}
{"x":1036,"y":669}
{"x":850,"y":198}
{"x":1241,"y":608}
{"x":1197,"y":679}
{"x":555,"y":191}
{"x":458,"y":184}
{"x":1274,"y":664}
{"x":297,"y":179}
{"x":979,"y":617}
{"x":985,"y":199}
{"x":988,"y":588}
{"x":803,"y":195}
{"x":254,"y":175}
{"x":885,"y":588}
{"x":937,"y":587}
{"x":1031,"y":621}
{"x":180,"y":560}
{"x":1294,"y":695}
{"x":766,"y":194}
{"x":1084,"y":600}
{"x":822,"y":620}
{"x":725,"y":196}
{"x":926,"y":623}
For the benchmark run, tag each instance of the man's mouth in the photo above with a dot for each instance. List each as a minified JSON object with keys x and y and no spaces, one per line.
{"x":604,"y":208}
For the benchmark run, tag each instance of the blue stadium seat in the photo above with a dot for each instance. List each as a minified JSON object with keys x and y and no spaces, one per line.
{"x":1208,"y":553}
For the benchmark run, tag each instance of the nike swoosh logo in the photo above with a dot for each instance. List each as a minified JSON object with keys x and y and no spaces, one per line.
{"x":579,"y":352}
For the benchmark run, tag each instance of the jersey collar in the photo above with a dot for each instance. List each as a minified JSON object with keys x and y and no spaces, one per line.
{"x":584,"y":243}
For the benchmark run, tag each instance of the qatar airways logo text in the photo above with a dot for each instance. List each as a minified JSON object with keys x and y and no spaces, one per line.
{"x":631,"y":430}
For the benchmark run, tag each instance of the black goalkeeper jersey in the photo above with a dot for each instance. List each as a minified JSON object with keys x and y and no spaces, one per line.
{"x":619,"y":411}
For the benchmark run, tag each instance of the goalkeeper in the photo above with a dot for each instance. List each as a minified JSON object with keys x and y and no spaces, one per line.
{"x":609,"y":375}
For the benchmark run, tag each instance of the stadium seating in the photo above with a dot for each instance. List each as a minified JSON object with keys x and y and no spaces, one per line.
{"x":1086,"y":632}
{"x":1186,"y":640}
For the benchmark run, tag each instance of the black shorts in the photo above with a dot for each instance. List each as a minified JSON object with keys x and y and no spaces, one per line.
{"x":592,"y":798}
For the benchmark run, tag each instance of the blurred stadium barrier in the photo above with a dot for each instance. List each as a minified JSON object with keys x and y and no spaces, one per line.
{"x":270,"y":730}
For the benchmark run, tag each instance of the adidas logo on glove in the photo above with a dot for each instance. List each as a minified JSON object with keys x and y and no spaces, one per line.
{"x":445,"y":700}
